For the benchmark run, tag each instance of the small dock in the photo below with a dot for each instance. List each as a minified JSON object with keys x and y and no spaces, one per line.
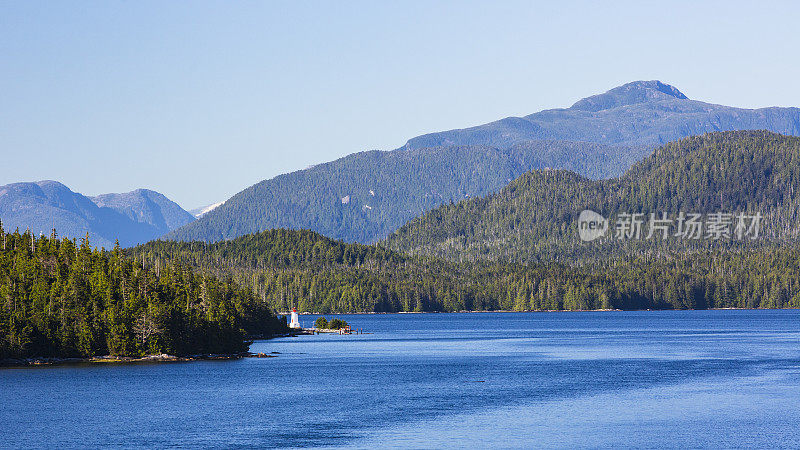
{"x":297,"y":329}
{"x":341,"y":331}
{"x":345,"y":330}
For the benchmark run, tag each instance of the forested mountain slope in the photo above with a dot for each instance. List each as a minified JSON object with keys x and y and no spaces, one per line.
{"x":535,"y":217}
{"x":132,"y":218}
{"x":366,"y":196}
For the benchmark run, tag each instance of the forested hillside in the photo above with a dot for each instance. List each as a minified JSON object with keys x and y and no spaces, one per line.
{"x":59,"y":298}
{"x":365,"y":197}
{"x":535,"y":217}
{"x":313,"y":273}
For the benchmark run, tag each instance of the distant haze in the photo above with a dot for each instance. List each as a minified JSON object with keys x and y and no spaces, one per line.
{"x":198,"y":101}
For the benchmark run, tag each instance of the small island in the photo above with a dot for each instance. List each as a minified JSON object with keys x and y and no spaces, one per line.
{"x":334,"y":325}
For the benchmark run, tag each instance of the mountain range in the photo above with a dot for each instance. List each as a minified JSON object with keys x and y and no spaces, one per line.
{"x":364,"y":197}
{"x":514,"y":247}
{"x":367,"y":196}
{"x":132,"y":218}
{"x":519,"y":249}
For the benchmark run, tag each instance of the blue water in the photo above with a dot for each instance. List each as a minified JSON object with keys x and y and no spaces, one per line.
{"x":592,"y":379}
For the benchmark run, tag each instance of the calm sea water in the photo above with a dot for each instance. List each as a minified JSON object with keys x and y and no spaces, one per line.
{"x":593,"y":379}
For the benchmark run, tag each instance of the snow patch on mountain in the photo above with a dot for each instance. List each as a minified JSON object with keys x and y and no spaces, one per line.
{"x":203,"y":210}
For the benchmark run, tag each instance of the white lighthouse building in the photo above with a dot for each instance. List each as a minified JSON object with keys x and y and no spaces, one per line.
{"x":295,"y":321}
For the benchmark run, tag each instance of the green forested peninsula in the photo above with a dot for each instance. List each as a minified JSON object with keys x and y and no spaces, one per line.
{"x":314,"y":273}
{"x":62,"y":299}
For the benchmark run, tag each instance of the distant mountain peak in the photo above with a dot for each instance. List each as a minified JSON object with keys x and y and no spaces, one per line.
{"x":132,"y":217}
{"x":146,"y":206}
{"x":43,"y":183}
{"x":630,"y":94}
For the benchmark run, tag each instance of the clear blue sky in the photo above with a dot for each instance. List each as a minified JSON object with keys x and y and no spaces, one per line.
{"x":199,"y":100}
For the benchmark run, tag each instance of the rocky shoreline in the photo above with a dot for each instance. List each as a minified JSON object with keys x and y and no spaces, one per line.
{"x":108,"y":359}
